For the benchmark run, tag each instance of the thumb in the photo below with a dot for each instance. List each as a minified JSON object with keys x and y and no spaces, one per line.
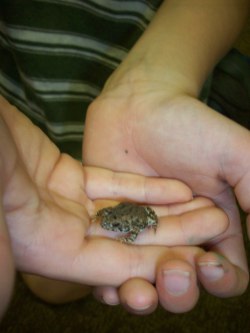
{"x":237,"y":167}
{"x":242,"y":191}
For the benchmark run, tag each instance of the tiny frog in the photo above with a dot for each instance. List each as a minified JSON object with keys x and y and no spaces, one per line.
{"x":128,"y":218}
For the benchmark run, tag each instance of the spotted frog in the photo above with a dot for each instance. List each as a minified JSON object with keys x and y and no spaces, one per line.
{"x":128,"y":218}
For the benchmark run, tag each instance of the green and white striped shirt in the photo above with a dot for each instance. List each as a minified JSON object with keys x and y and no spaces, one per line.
{"x":55,"y":56}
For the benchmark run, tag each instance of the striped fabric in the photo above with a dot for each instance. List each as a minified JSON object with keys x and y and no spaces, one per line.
{"x":55,"y":56}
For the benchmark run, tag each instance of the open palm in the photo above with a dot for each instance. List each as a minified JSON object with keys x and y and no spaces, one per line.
{"x":155,"y":134}
{"x":49,"y":199}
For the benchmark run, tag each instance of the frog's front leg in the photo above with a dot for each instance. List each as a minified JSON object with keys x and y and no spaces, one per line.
{"x":131,"y":236}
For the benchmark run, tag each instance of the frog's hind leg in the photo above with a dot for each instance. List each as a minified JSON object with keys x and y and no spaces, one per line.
{"x":152,"y":219}
{"x":154,"y":227}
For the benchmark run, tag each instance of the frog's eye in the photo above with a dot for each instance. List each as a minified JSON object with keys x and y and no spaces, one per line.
{"x":107,"y":212}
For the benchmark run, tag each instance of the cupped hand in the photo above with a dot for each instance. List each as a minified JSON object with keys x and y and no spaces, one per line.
{"x":144,"y":127}
{"x":49,"y":200}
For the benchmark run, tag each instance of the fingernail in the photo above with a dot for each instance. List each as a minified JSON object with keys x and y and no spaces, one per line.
{"x":212,"y":270}
{"x":176,"y":281}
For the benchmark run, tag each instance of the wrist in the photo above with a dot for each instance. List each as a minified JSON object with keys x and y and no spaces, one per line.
{"x":180,"y":47}
{"x":140,"y":74}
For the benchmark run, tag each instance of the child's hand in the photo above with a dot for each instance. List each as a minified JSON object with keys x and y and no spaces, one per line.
{"x":49,"y":200}
{"x":157,"y":131}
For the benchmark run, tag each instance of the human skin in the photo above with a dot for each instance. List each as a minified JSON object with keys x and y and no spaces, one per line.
{"x":154,"y":125}
{"x":48,"y":201}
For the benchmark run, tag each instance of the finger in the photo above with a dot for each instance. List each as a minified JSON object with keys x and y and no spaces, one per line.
{"x":236,"y":173}
{"x":92,"y":262}
{"x":107,"y":295}
{"x":180,"y":208}
{"x":117,"y":185}
{"x":231,"y":260}
{"x":190,"y":228}
{"x":138,"y":296}
{"x":219,"y":277}
{"x":176,"y":294}
{"x":164,"y":210}
{"x":176,"y":284}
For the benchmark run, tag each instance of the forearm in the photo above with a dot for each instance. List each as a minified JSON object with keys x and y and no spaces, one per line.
{"x":186,"y":39}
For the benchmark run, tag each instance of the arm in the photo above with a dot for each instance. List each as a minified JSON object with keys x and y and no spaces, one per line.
{"x":184,"y":42}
